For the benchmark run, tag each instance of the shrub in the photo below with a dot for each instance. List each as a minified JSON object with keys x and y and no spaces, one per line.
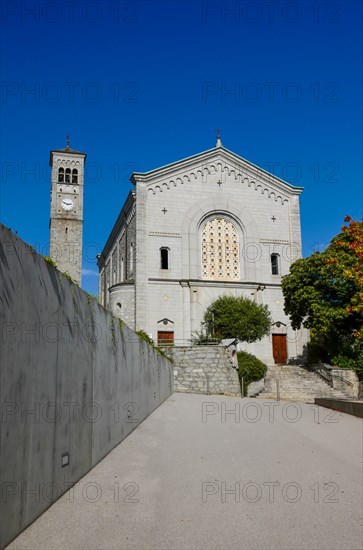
{"x":343,"y":362}
{"x":250,"y":368}
{"x":344,"y":356}
{"x":200,"y":337}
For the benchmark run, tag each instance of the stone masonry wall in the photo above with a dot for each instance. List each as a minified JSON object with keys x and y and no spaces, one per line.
{"x":204,"y":369}
{"x":346,"y":381}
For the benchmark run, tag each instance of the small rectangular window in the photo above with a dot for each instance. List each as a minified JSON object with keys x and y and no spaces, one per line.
{"x":274,"y":264}
{"x":164,"y":258}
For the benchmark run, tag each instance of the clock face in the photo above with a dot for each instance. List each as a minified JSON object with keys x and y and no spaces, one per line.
{"x":67,"y":204}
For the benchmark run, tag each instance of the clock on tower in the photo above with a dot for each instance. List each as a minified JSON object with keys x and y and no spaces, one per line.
{"x":66,"y":210}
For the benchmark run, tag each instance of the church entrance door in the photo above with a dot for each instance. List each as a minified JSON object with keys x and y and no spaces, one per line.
{"x":165,"y":338}
{"x":279,"y":348}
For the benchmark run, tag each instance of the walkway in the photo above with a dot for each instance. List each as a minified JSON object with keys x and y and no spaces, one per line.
{"x":295,"y":472}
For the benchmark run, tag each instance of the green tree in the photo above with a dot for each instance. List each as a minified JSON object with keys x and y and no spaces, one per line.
{"x":353,"y":242}
{"x":237,"y":317}
{"x":319,"y":295}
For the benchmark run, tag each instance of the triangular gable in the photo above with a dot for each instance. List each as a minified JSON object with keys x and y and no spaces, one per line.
{"x":217,"y":160}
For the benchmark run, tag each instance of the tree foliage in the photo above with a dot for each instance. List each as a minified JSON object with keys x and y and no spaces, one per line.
{"x":237,"y":317}
{"x":352,"y":243}
{"x":324,"y":293}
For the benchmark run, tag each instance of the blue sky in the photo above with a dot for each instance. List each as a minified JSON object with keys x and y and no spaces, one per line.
{"x":139,"y":84}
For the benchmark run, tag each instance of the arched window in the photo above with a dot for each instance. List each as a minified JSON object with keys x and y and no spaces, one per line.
{"x":61,"y":175}
{"x":74,"y":175}
{"x":122,"y":269}
{"x":164,"y":258}
{"x":220,"y":250}
{"x":275,"y":264}
{"x":68,"y":175}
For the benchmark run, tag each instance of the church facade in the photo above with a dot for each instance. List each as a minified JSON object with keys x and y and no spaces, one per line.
{"x":209,"y":225}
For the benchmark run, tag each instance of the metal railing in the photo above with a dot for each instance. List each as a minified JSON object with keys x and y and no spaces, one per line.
{"x":325,"y":371}
{"x":186,"y":343}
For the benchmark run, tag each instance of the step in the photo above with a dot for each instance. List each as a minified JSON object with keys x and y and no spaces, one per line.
{"x":296,"y":383}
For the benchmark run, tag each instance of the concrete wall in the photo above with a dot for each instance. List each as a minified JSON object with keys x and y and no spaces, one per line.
{"x":74,"y":381}
{"x":204,"y":369}
{"x":354,"y":408}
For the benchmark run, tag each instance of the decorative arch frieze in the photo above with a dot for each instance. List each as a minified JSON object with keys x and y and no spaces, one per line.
{"x":201,"y":172}
{"x":67,"y":162}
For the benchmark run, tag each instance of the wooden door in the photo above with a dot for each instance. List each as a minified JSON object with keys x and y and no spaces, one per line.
{"x":279,"y":348}
{"x":165,"y":338}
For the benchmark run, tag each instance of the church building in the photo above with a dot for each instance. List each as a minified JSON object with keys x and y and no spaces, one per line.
{"x":208,"y":225}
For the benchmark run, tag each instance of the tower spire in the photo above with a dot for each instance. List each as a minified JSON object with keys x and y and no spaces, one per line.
{"x":68,"y":141}
{"x":218,"y":142}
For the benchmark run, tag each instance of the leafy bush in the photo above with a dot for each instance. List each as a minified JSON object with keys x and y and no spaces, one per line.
{"x":343,"y":362}
{"x":199,"y":337}
{"x":340,"y":353}
{"x":250,"y":368}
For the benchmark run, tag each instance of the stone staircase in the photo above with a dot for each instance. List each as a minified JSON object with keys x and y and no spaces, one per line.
{"x":295,"y":383}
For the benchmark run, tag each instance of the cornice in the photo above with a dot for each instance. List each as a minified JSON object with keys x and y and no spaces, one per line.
{"x":211,"y":282}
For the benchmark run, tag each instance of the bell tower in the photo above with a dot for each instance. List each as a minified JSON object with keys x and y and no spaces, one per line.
{"x":66,"y":210}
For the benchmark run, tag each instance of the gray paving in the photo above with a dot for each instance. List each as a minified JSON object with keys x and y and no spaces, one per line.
{"x":296,"y":475}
